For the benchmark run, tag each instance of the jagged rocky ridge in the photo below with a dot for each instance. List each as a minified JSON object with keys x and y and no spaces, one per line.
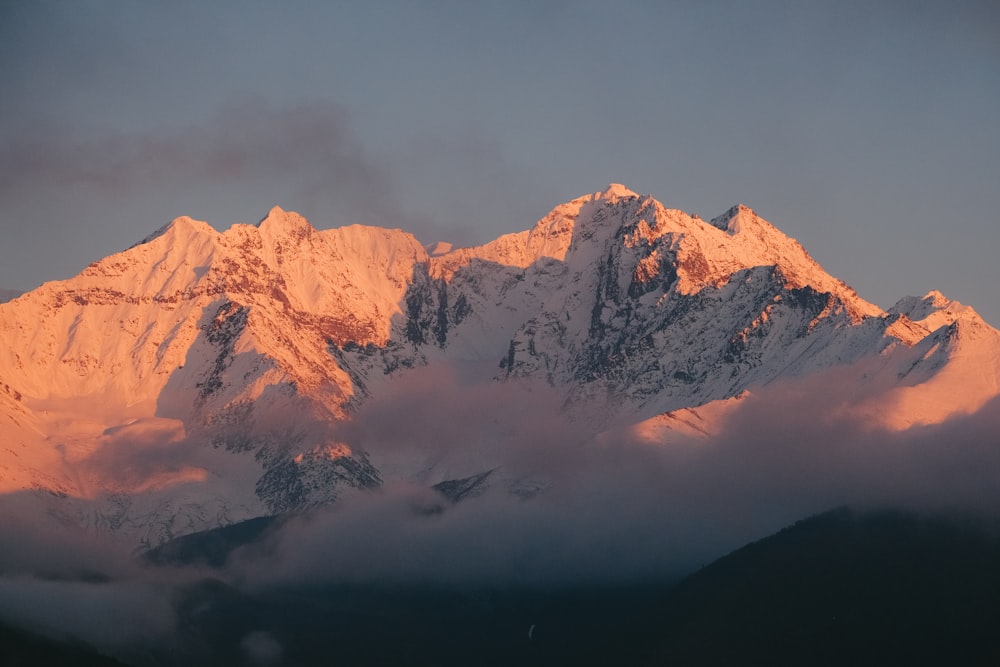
{"x":244,"y":346}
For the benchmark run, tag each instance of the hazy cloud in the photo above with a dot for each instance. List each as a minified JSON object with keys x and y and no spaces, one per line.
{"x":448,"y":414}
{"x":138,"y":454}
{"x":562,"y":507}
{"x":109,"y":614}
{"x":66,"y":582}
{"x":304,"y":157}
{"x":33,"y":543}
{"x":613,"y":509}
{"x":306,"y":153}
{"x":260,"y":648}
{"x":504,"y":196}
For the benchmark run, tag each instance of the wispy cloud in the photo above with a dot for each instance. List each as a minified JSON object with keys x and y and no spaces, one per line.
{"x":307,"y":151}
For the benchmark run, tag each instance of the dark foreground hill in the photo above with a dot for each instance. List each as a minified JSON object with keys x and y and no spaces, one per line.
{"x":25,"y":649}
{"x":844,"y":587}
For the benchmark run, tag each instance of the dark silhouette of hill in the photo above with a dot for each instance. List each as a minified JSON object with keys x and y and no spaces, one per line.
{"x":845,"y":587}
{"x":19,"y":648}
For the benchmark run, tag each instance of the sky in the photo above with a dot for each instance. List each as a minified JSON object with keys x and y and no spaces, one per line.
{"x":866,"y":130}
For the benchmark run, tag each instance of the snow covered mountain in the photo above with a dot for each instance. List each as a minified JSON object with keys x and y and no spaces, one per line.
{"x":202,"y":377}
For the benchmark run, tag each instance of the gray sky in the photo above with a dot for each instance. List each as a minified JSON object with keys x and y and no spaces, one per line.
{"x":867,"y":130}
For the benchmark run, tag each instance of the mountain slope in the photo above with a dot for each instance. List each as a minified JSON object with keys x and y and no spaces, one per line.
{"x":200,"y":377}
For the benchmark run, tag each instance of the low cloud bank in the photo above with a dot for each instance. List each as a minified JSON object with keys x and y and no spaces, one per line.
{"x":67,"y":583}
{"x":613,"y":509}
{"x":560,"y":507}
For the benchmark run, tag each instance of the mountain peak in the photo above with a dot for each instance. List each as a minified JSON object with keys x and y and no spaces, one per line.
{"x":183,"y":225}
{"x":439,"y":248}
{"x":936,"y":298}
{"x":275,"y":213}
{"x":919,"y":307}
{"x":615,"y":191}
{"x":933,"y":310}
{"x":279,"y":222}
{"x":735,"y":218}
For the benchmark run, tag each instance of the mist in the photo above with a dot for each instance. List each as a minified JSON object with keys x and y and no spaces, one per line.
{"x":560,"y":507}
{"x":307,"y":154}
{"x":564,"y":507}
{"x":64,"y":582}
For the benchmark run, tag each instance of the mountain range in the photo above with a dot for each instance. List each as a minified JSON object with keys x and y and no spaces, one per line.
{"x":201,"y":378}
